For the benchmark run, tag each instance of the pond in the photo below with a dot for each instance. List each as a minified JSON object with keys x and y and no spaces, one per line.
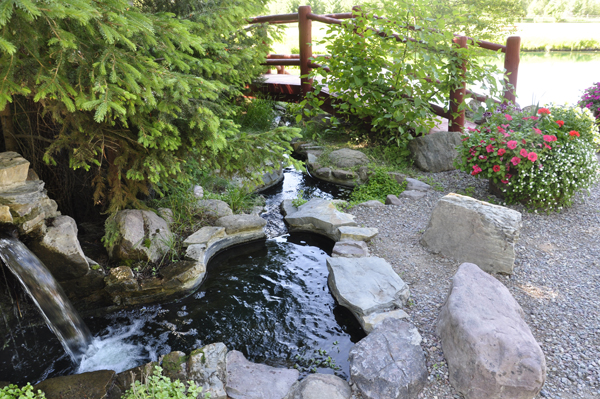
{"x":268,"y":299}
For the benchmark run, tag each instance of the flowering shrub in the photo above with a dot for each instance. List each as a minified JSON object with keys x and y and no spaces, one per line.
{"x":539,"y":159}
{"x":591,"y":101}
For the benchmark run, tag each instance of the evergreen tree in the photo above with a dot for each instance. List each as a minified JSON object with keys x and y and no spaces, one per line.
{"x":130,"y":90}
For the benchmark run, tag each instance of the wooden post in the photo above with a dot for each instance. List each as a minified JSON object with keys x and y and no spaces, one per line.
{"x":305,"y":33}
{"x":457,"y":96}
{"x":511,"y":65}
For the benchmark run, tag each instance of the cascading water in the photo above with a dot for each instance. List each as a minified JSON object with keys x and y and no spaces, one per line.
{"x":48,"y":296}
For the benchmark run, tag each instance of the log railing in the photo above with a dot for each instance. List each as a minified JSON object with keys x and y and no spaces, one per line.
{"x":456,"y":118}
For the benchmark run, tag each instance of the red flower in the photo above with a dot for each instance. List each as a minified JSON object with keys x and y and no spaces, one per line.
{"x":560,"y":123}
{"x":496,"y":168}
{"x":501,"y":152}
{"x":512,"y":144}
{"x":515,"y":161}
{"x":476,"y":169}
{"x":534,"y":118}
{"x":543,"y":111}
{"x":574,"y":133}
{"x":532,"y":156}
{"x":523,"y":152}
{"x":504,"y":181}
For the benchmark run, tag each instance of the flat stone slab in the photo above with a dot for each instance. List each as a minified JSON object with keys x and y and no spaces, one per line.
{"x":247,"y":380}
{"x":474,"y":231}
{"x":366,"y":285}
{"x":319,"y":216}
{"x":205,"y":235}
{"x":238,"y":223}
{"x":490,"y":350}
{"x":13,"y":168}
{"x":356,"y":233}
{"x":320,"y":386}
{"x":369,"y":322}
{"x":389,"y":363}
{"x":413,"y":194}
{"x":350,"y":249}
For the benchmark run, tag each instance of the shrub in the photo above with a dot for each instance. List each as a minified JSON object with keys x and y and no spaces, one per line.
{"x":14,"y":392}
{"x":539,"y":159}
{"x":379,"y":186}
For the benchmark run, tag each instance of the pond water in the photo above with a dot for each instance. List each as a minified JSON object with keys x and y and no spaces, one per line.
{"x":556,"y":77}
{"x":268,"y":299}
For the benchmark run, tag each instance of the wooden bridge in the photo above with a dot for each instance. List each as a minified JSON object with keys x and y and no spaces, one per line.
{"x":290,"y":88}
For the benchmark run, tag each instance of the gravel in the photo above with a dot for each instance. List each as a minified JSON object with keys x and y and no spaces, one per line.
{"x":556,"y":281}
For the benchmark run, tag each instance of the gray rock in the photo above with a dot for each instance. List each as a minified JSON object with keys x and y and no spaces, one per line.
{"x":347,"y":158}
{"x":167,"y":215}
{"x":413,"y":194}
{"x":174,"y":366}
{"x":247,"y":380}
{"x":392,"y":200}
{"x":60,"y":250}
{"x":141,"y":235}
{"x":350,"y":249}
{"x":416,"y":185}
{"x":369,"y":322}
{"x":366,"y":285}
{"x":319,"y":216}
{"x":198,"y":191}
{"x":29,"y":206}
{"x":355,"y":233}
{"x":320,"y":386}
{"x":13,"y":168}
{"x":323,"y":173}
{"x":344,"y":174}
{"x":435,"y":152}
{"x":207,"y":367}
{"x":238,"y":223}
{"x":214,"y":208}
{"x":470,"y":230}
{"x":206,"y":235}
{"x":389,"y":363}
{"x":287,"y":207}
{"x":371,"y":204}
{"x":490,"y":350}
{"x":92,"y":385}
{"x":399,"y":177}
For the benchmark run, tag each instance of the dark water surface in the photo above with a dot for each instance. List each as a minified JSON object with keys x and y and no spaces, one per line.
{"x":267,"y":299}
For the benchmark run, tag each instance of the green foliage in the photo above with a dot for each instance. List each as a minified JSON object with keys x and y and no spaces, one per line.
{"x":392,"y":87}
{"x":133,"y":91}
{"x":558,"y":9}
{"x":111,"y":232}
{"x":319,"y":359}
{"x":540,"y":160}
{"x":256,"y":115}
{"x":14,"y":392}
{"x":158,"y":386}
{"x":299,"y":200}
{"x":379,"y":186}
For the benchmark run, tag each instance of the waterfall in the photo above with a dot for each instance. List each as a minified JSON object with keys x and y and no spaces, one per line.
{"x":49,"y":297}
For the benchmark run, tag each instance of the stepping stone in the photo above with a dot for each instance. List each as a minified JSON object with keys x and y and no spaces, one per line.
{"x":389,"y":363}
{"x":369,"y":322}
{"x":490,"y":350}
{"x":350,"y":249}
{"x":319,"y":216}
{"x":474,"y":231}
{"x":357,"y":233}
{"x":247,"y":380}
{"x":366,"y":285}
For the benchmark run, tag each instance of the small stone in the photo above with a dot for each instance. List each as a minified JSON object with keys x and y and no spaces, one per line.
{"x":323,"y":172}
{"x":320,"y":386}
{"x":416,"y":185}
{"x":350,"y":249}
{"x":355,"y":233}
{"x":392,"y":200}
{"x":198,"y":192}
{"x":413,"y":194}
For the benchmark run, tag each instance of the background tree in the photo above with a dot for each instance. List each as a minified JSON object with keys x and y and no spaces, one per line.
{"x":128,"y":92}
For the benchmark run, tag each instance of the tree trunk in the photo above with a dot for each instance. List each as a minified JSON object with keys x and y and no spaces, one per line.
{"x":8,"y":130}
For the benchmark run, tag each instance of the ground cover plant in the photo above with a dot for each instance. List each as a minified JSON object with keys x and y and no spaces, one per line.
{"x":539,"y":158}
{"x":26,"y":392}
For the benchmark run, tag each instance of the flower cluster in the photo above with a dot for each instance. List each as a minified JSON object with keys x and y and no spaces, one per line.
{"x":591,"y":99}
{"x":525,"y":153}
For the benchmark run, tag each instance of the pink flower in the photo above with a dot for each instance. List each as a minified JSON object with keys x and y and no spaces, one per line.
{"x":504,"y":181}
{"x":547,"y":137}
{"x":523,"y":141}
{"x":532,"y":156}
{"x":482,"y":157}
{"x":547,"y":146}
{"x":490,"y":148}
{"x":515,"y":161}
{"x":501,"y":130}
{"x":538,"y":131}
{"x":508,"y":117}
{"x":501,"y":152}
{"x":496,"y":168}
{"x":476,"y":169}
{"x":523,"y":152}
{"x":512,"y":144}
{"x":534,"y":118}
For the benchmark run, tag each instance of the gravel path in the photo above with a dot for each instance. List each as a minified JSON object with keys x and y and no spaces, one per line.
{"x":556,"y":282}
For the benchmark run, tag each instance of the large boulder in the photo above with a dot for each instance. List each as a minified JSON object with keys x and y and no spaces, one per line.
{"x":139,"y":235}
{"x":93,"y":385}
{"x":489,"y":348}
{"x":319,"y":216}
{"x":207,"y":367}
{"x":320,"y":386}
{"x":247,"y":380}
{"x":435,"y":152}
{"x":366,"y":285}
{"x":470,"y":230}
{"x":60,"y":251}
{"x":347,"y":158}
{"x":389,"y":363}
